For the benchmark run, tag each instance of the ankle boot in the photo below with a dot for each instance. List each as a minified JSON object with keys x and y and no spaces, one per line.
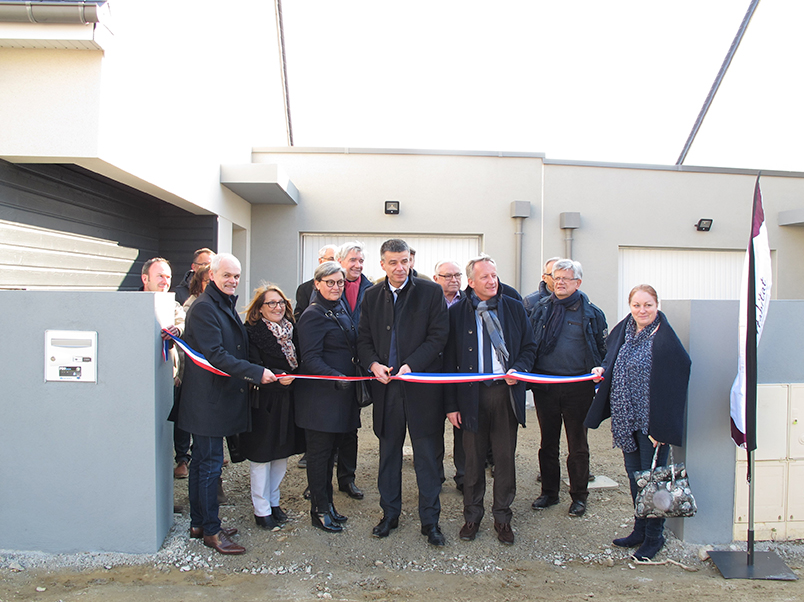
{"x":336,"y":516}
{"x":649,"y":548}
{"x":654,"y":539}
{"x":636,"y":537}
{"x":325,"y":522}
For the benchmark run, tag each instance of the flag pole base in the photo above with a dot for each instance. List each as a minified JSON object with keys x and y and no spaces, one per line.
{"x":766,"y":565}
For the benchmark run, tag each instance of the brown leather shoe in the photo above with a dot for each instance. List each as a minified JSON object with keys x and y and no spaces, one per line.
{"x":198,"y":532}
{"x":181,"y":471}
{"x":469,"y":531}
{"x":222,"y":544}
{"x":504,"y":533}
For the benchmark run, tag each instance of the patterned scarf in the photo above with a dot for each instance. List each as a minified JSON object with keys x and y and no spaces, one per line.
{"x":630,"y":385}
{"x":283,"y":331}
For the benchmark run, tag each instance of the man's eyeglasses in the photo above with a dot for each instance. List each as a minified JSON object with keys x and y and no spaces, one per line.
{"x":275,"y":304}
{"x":334,"y":283}
{"x":562,"y":279}
{"x":456,"y":275}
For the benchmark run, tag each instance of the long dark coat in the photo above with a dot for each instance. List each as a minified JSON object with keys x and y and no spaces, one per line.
{"x":321,"y":405}
{"x":669,"y":381}
{"x":422,"y":326}
{"x":274,"y":434}
{"x":213,"y":405}
{"x":461,"y":355}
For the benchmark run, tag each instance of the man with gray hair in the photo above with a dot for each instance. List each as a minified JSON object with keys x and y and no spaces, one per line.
{"x":213,"y":406}
{"x":545,"y":286}
{"x":305,"y":290}
{"x":351,"y":257}
{"x":489,"y":333}
{"x":570,"y":334}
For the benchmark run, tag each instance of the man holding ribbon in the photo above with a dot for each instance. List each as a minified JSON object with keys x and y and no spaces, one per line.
{"x":214,"y":406}
{"x":403,"y":328}
{"x":570,"y":335}
{"x":489,"y":333}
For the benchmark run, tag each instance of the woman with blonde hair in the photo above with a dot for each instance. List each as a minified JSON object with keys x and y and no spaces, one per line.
{"x":273,"y":436}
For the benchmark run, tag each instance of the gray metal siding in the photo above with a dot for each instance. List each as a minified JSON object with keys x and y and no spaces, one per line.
{"x":65,"y":227}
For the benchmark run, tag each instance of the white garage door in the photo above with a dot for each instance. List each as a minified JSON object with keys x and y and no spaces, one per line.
{"x":430,"y":248}
{"x":680,"y":273}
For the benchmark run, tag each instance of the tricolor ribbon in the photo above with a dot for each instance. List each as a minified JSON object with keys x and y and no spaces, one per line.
{"x":410,"y":377}
{"x":198,"y":359}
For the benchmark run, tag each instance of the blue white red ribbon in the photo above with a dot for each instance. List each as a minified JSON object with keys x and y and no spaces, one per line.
{"x":410,"y":377}
{"x":198,"y":359}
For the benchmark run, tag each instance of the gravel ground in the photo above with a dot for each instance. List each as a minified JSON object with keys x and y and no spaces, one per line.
{"x":551,"y":549}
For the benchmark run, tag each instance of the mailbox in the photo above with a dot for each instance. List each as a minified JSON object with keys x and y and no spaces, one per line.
{"x":71,"y":356}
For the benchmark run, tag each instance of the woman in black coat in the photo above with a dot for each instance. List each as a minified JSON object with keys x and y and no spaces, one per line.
{"x":273,"y":435}
{"x":646,"y":374}
{"x":327,"y":410}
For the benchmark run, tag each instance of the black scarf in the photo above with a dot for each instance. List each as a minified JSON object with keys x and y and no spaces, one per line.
{"x":556,"y":321}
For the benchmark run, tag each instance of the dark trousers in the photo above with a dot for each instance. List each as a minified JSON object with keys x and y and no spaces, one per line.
{"x":497,"y":427}
{"x":347,"y":459}
{"x":181,"y":444}
{"x":567,"y":403}
{"x":205,"y":470}
{"x":425,"y":461}
{"x":321,"y":448}
{"x":641,"y":459}
{"x":458,"y":455}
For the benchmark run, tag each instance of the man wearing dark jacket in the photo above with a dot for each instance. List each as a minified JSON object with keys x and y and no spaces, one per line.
{"x":489,"y":333}
{"x":201,"y":258}
{"x":350,"y":256}
{"x":545,"y":286}
{"x":570,"y":334}
{"x":403,"y":328}
{"x":213,"y":406}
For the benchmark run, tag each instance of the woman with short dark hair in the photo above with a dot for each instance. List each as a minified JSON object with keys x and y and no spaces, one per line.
{"x":327,"y":410}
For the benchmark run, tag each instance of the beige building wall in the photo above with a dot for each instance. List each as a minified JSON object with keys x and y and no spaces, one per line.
{"x":345,"y":191}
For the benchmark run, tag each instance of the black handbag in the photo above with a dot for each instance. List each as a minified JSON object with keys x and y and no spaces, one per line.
{"x":664,"y":491}
{"x":362,"y":390}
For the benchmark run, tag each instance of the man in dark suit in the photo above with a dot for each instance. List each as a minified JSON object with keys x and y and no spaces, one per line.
{"x":350,"y":256}
{"x":489,"y":333}
{"x":403,"y":328}
{"x":212,"y":406}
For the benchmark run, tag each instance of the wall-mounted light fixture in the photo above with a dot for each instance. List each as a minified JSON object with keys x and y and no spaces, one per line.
{"x":704,"y":225}
{"x":391,"y":207}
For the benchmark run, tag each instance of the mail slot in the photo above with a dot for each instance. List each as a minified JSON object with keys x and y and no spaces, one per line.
{"x":71,"y":356}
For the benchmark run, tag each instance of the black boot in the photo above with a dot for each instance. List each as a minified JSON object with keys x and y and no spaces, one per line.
{"x":336,"y":516}
{"x":637,"y":535}
{"x":654,"y":539}
{"x":325,"y":522}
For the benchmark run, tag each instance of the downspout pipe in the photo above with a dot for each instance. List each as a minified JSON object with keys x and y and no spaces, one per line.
{"x":519,"y":211}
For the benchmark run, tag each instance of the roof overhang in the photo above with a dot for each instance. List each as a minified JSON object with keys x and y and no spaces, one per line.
{"x":792,"y":217}
{"x":260,"y":183}
{"x":71,"y":24}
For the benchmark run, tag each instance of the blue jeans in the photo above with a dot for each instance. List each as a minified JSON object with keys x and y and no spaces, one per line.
{"x":205,"y":470}
{"x":641,"y":459}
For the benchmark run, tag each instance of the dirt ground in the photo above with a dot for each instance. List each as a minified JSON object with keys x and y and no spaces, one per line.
{"x":555,"y":557}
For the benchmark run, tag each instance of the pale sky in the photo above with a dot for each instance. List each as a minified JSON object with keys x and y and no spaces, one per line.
{"x":619,"y":81}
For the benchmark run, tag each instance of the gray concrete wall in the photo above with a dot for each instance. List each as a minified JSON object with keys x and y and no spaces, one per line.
{"x":708,"y":330}
{"x":86,"y":466}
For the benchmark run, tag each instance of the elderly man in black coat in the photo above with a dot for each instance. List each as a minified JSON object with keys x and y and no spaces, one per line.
{"x":489,"y":333}
{"x":212,"y":406}
{"x":403,"y":328}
